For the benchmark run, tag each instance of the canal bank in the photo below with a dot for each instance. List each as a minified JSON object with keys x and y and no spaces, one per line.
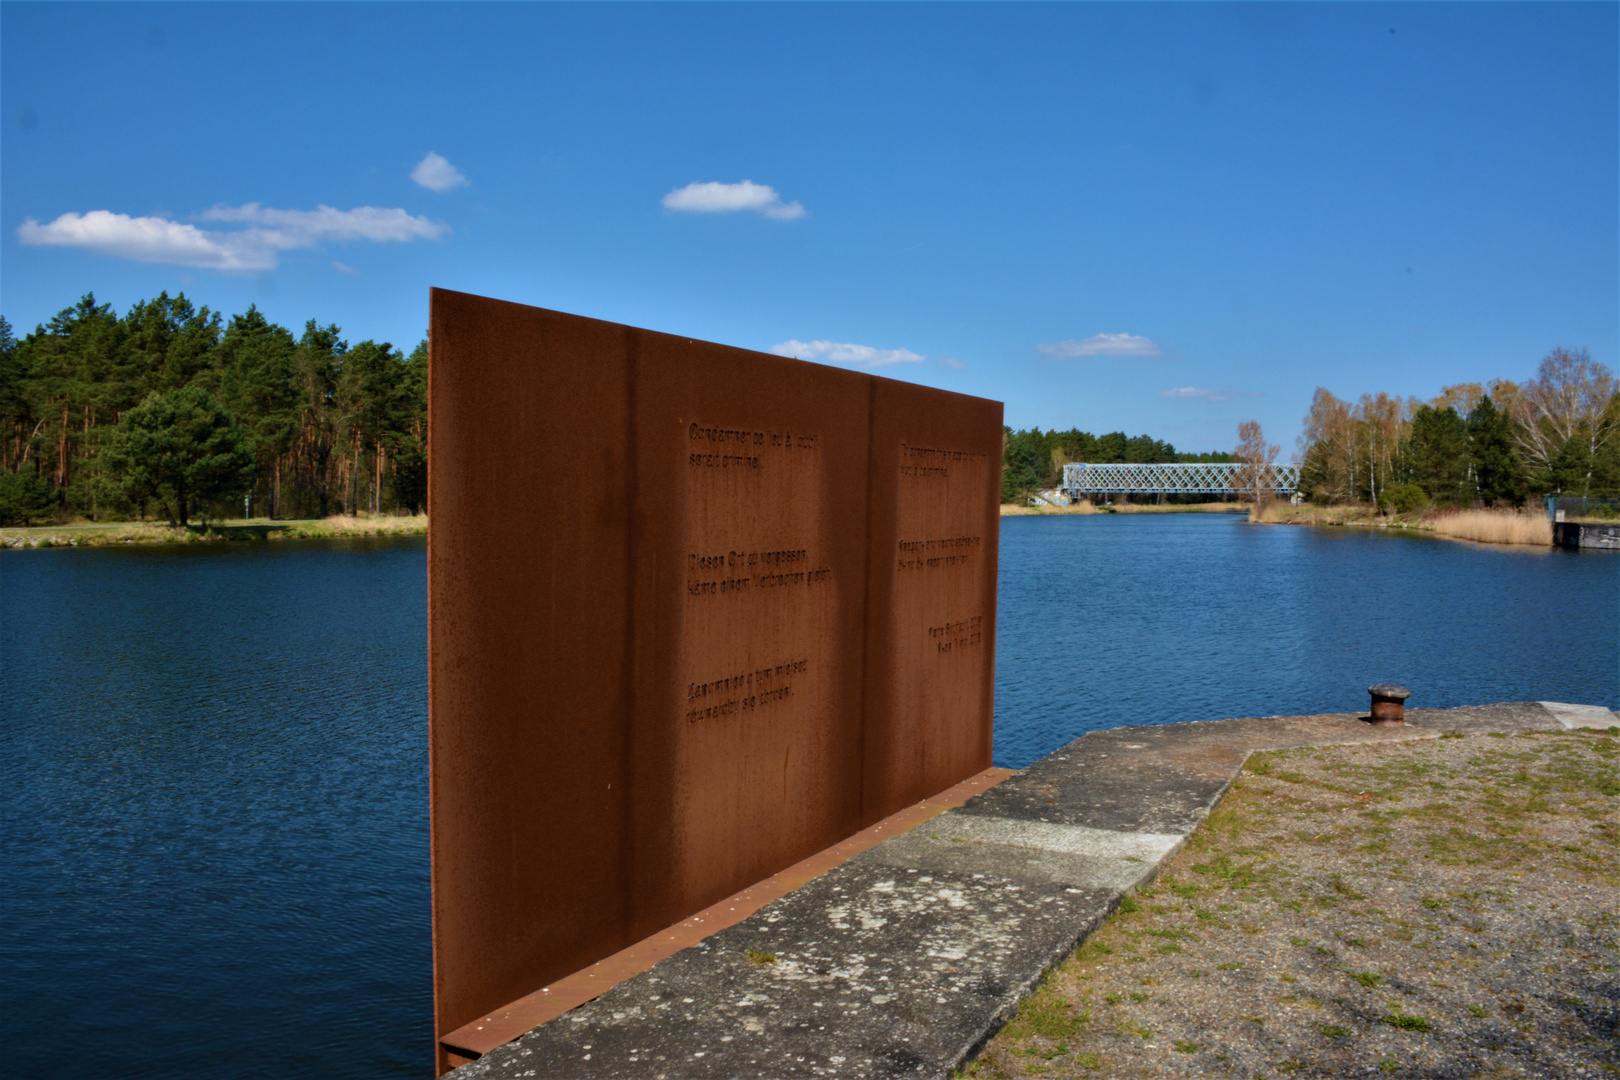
{"x":123,"y":533}
{"x":1586,"y":534}
{"x":1496,"y":526}
{"x":907,"y":958}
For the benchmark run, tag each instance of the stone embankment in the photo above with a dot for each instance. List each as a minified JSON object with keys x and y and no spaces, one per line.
{"x":1585,"y":534}
{"x":905,"y":959}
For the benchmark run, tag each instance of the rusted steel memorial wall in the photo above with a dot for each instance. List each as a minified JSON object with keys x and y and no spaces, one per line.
{"x":695,"y":613}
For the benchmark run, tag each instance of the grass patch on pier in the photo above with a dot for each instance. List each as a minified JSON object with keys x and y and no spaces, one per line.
{"x":1414,"y":908}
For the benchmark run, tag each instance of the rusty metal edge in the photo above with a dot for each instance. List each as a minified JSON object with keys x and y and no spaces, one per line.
{"x":472,"y":1040}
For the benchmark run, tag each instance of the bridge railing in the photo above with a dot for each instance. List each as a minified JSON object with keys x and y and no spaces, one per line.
{"x":1207,"y":478}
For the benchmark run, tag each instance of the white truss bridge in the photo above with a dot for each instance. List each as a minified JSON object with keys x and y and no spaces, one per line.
{"x":1080,"y":479}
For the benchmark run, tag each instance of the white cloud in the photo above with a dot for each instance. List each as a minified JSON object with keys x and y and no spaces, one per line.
{"x":269,"y":232}
{"x":1207,"y":393}
{"x":718,"y":198}
{"x":950,"y":362}
{"x":306,"y":228}
{"x":150,"y":240}
{"x":435,"y":173}
{"x":343,"y":268}
{"x":833,"y":352}
{"x":1102,"y":345}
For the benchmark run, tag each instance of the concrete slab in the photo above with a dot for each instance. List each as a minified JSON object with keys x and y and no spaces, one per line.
{"x":1068,"y":839}
{"x":1581,"y":716}
{"x":872,"y":971}
{"x":936,"y":849}
{"x":906,"y":959}
{"x":503,"y":1025}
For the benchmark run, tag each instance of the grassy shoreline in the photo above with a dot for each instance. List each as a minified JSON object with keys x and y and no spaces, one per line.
{"x":111,"y":534}
{"x":1479,"y":526}
{"x":1525,"y":528}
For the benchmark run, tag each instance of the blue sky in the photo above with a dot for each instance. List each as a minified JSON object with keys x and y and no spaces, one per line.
{"x":1159,"y":218}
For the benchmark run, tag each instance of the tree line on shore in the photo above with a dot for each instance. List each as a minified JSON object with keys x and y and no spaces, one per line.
{"x":171,"y":411}
{"x":1475,"y":444}
{"x":1032,"y":460}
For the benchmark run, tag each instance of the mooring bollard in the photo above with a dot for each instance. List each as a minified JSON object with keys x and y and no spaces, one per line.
{"x":1389,"y":703}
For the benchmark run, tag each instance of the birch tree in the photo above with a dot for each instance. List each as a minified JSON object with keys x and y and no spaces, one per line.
{"x":1256,"y":478}
{"x":1566,"y":418}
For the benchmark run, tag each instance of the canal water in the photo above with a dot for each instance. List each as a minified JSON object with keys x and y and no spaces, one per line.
{"x":213,"y":776}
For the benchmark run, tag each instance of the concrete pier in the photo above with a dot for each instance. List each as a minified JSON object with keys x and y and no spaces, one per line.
{"x":905,"y":959}
{"x":1585,"y":534}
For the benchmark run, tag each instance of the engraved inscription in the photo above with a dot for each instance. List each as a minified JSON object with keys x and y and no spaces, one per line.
{"x":750,"y":539}
{"x":757,"y":671}
{"x":736,"y":572}
{"x":736,"y":448}
{"x":940,"y":609}
{"x":743,"y":692}
{"x":946,"y":553}
{"x":953,"y":636}
{"x":931,"y":462}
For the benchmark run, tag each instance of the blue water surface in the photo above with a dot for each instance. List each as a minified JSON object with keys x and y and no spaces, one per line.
{"x":1158,"y":618}
{"x":213,"y":769}
{"x":213,"y":781}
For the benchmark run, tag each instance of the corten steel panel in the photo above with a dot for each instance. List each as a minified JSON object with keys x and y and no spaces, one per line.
{"x":751,"y":475}
{"x":673,"y":644}
{"x":529,"y":568}
{"x":936,"y":518}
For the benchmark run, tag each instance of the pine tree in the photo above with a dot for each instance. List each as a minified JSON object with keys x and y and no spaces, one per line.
{"x":1437,"y":455}
{"x":179,"y":448}
{"x":1498,"y":474}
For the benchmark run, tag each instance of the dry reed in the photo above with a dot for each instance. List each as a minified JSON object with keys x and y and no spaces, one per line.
{"x":1013,"y":510}
{"x":372,"y":524}
{"x":1177,"y":508}
{"x":1480,"y":526}
{"x":1494,"y":527}
{"x":1279,"y":512}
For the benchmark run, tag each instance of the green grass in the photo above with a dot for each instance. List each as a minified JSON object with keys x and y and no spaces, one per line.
{"x":1406,"y":1022}
{"x":1048,"y":1015}
{"x":112,"y":534}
